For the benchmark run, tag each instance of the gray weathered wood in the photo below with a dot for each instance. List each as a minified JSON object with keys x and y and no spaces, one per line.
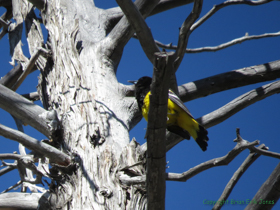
{"x":23,"y":109}
{"x":42,"y":148}
{"x":229,"y":80}
{"x":18,"y":200}
{"x":156,"y":130}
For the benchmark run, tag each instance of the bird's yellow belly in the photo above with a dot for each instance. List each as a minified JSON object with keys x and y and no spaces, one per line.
{"x":145,"y":107}
{"x":171,"y":112}
{"x":175,"y":116}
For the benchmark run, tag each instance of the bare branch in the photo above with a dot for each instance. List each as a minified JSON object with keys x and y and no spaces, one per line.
{"x":29,"y":67}
{"x":236,"y":176}
{"x":268,"y":194}
{"x":165,"y":5}
{"x":26,"y":165}
{"x":14,"y":164}
{"x":20,"y":200}
{"x":7,"y":169}
{"x":266,"y":153}
{"x":38,"y":146}
{"x":225,"y":160}
{"x":216,"y":162}
{"x":229,"y":80}
{"x":10,"y":156}
{"x":33,"y":188}
{"x":23,"y":109}
{"x":24,"y":172}
{"x":221,"y":46}
{"x":115,"y":14}
{"x":122,"y":32}
{"x":19,"y":125}
{"x":5,"y":25}
{"x":239,"y":103}
{"x":6,"y":16}
{"x":140,"y":27}
{"x":128,"y":180}
{"x":224,"y":4}
{"x":12,"y":187}
{"x":228,"y":44}
{"x":185,"y":31}
{"x":12,"y":76}
{"x":232,"y":42}
{"x":34,"y":96}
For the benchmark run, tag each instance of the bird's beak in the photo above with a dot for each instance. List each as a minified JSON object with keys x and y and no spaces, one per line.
{"x":132,"y":81}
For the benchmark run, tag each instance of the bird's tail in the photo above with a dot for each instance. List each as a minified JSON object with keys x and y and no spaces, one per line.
{"x":202,"y":137}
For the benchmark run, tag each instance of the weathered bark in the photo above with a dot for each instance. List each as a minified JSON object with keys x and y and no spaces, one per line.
{"x":156,"y":130}
{"x":24,"y":109}
{"x":81,"y":86}
{"x":20,"y":200}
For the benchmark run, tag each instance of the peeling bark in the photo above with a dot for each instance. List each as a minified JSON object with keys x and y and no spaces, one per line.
{"x":81,"y":87}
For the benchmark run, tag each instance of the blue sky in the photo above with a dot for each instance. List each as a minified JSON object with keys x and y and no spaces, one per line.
{"x":258,"y":121}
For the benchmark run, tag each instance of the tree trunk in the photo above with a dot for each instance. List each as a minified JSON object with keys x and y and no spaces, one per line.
{"x":81,"y":86}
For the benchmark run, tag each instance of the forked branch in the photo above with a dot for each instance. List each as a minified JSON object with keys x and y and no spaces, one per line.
{"x":225,"y":160}
{"x":115,"y":14}
{"x":230,"y":43}
{"x":140,"y":27}
{"x":123,"y":31}
{"x":185,"y":31}
{"x":239,"y":103}
{"x":221,"y":46}
{"x":29,"y":67}
{"x":252,"y":157}
{"x":225,"y":4}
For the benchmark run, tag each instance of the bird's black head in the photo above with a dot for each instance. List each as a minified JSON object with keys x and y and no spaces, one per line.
{"x":142,"y":87}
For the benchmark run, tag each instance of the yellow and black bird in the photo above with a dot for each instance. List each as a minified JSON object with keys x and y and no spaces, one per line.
{"x":179,"y":119}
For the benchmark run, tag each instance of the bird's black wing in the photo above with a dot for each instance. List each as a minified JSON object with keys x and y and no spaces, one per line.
{"x":175,"y":99}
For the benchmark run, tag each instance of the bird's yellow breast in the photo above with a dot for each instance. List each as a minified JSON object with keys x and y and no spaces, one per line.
{"x":175,"y":116}
{"x":145,"y":107}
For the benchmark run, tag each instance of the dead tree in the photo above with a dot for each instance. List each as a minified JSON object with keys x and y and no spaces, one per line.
{"x":87,"y":114}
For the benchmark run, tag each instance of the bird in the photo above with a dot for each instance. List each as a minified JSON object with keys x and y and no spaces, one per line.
{"x":179,"y":119}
